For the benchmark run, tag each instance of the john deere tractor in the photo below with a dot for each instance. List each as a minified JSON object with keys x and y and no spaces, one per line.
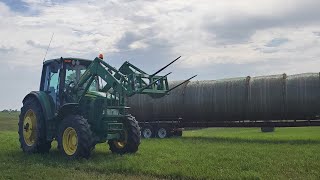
{"x":81,"y":103}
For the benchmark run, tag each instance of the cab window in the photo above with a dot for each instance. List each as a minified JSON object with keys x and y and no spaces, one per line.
{"x":51,"y":81}
{"x":73,"y":74}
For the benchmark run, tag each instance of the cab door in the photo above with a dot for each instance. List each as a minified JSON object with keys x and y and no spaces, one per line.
{"x":50,"y":81}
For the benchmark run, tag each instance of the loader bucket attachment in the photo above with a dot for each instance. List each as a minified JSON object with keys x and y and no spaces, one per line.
{"x":181,"y":83}
{"x":139,"y":82}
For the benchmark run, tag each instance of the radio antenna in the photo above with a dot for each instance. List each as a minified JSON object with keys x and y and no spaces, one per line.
{"x":48,"y":48}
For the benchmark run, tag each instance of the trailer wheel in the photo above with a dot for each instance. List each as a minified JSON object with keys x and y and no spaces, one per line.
{"x":267,"y":129}
{"x":178,"y":133}
{"x":162,"y":133}
{"x":147,"y":132}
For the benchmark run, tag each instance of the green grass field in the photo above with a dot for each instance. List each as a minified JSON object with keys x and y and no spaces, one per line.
{"x":214,"y":153}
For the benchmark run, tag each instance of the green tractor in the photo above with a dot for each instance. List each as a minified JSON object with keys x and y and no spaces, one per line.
{"x":83,"y":102}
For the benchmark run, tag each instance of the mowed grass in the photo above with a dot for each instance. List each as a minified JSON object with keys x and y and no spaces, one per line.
{"x":214,"y":153}
{"x":9,"y":121}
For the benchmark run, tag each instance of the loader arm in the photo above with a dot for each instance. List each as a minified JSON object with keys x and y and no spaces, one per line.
{"x":126,"y":85}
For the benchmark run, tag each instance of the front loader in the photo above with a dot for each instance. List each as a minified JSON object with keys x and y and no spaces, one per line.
{"x":81,"y":103}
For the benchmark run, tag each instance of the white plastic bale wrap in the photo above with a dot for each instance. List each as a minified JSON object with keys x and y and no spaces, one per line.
{"x":303,"y":96}
{"x":170,"y":106}
{"x":273,"y":97}
{"x":221,"y":100}
{"x":266,"y":98}
{"x":140,"y":107}
{"x":145,"y":108}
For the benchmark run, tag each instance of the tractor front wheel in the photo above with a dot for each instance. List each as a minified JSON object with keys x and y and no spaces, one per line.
{"x":131,"y":141}
{"x":75,"y":138}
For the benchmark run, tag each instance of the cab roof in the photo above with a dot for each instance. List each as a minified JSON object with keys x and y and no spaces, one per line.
{"x":59,"y":60}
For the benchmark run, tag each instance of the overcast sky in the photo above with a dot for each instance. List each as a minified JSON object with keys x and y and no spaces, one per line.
{"x":216,"y":39}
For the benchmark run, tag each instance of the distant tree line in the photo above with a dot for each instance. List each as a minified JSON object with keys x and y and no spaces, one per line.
{"x":10,"y":110}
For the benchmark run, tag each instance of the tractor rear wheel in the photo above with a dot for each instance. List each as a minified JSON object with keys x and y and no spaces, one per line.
{"x":132,"y":136}
{"x":75,"y":138}
{"x":32,"y":130}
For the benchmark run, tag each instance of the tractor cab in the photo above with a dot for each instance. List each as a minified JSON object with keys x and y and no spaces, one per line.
{"x":58,"y":75}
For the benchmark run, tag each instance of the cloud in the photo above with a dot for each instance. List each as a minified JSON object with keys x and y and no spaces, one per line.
{"x":316,"y":33}
{"x":217,"y":39}
{"x":205,"y":32}
{"x":16,"y":5}
{"x":277,"y":42}
{"x":6,"y":50}
{"x":16,"y":82}
{"x":235,"y":25}
{"x":36,"y":44}
{"x":128,"y":39}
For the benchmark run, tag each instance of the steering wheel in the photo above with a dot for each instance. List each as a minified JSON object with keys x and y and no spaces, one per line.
{"x":68,"y":90}
{"x":69,"y":87}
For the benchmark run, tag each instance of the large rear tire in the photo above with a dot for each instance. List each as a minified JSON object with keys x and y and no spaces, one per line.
{"x":132,"y":136}
{"x":75,"y":138}
{"x":32,"y":130}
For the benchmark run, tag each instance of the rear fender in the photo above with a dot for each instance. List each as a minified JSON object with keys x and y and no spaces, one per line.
{"x":48,"y":109}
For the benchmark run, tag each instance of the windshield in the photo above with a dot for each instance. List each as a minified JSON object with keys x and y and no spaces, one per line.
{"x":73,"y":74}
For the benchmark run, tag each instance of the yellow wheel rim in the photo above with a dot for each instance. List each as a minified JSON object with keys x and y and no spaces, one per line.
{"x":70,"y":141}
{"x":30,"y":127}
{"x":121,"y":144}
